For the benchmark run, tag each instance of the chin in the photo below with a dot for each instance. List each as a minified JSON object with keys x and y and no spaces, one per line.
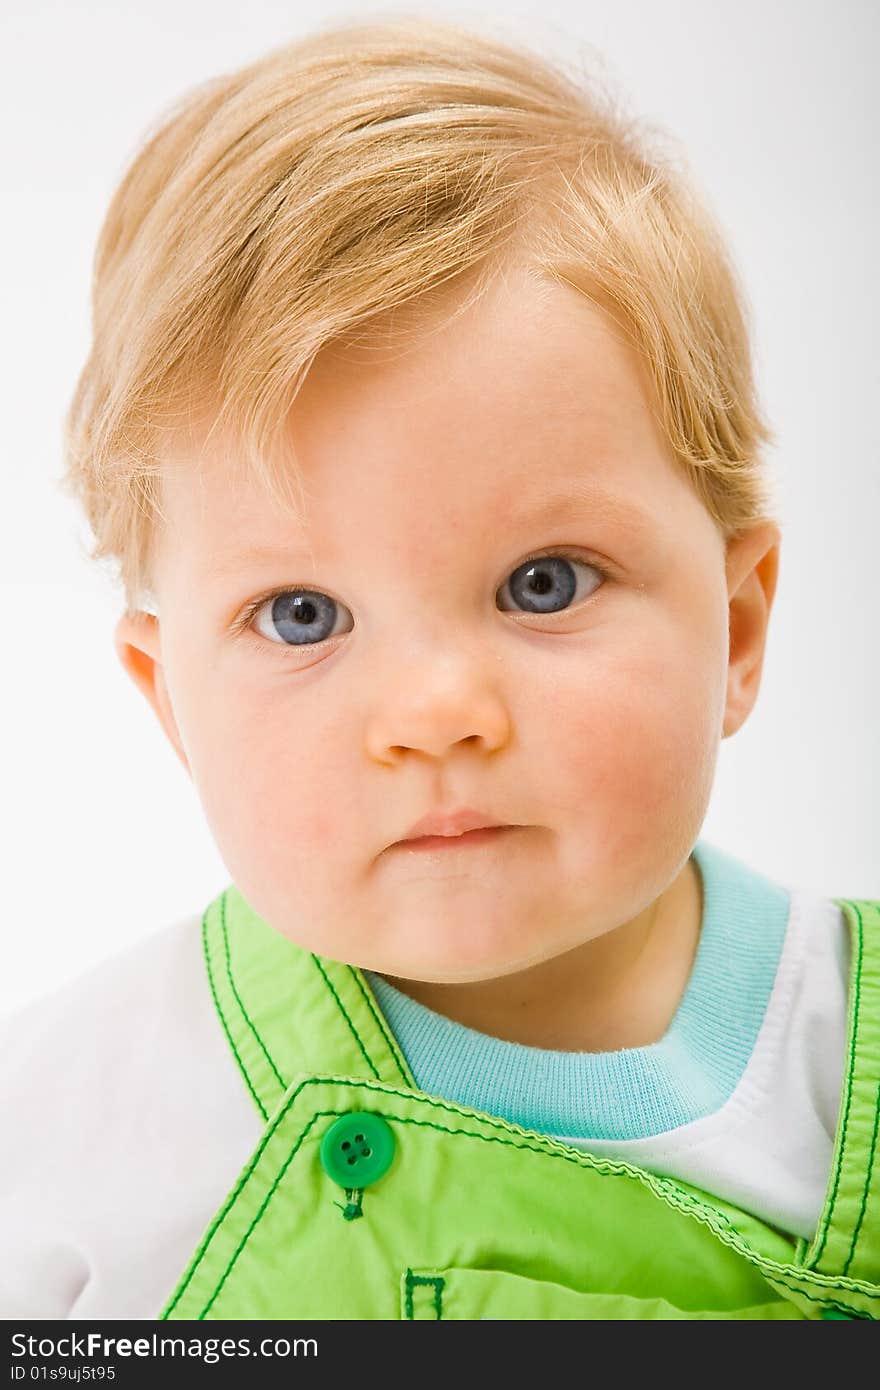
{"x":471,"y":968}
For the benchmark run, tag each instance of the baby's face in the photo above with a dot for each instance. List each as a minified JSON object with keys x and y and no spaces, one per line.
{"x":504,"y":596}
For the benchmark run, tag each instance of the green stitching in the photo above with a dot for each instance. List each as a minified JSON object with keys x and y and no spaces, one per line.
{"x":355,"y":1206}
{"x":868,"y":1171}
{"x":259,"y":1216}
{"x":408,"y":1079}
{"x":683,"y":1200}
{"x":857,"y":975}
{"x":354,"y":1203}
{"x":222,"y":1212}
{"x":222,"y":1016}
{"x":844,"y":1312}
{"x":870,"y":1164}
{"x":437,"y":1282}
{"x":202,"y":1246}
{"x":329,"y":985}
{"x":281,"y":1082}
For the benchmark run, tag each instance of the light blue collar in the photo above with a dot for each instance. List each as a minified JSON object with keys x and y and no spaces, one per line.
{"x":637,"y":1091}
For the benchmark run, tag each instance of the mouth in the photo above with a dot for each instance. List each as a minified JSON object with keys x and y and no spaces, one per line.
{"x":469,"y":839}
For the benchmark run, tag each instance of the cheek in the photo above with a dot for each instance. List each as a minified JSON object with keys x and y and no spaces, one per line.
{"x":635,"y":744}
{"x":270,"y":777}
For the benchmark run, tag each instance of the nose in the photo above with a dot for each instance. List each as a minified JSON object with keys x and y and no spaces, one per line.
{"x":434,"y":705}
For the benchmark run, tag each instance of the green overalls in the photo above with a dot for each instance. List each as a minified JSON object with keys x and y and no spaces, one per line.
{"x":368,"y":1198}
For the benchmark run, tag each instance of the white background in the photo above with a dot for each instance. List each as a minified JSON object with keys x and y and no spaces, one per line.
{"x":775,"y":105}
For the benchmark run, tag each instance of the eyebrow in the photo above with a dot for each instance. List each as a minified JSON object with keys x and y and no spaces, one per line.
{"x":230,"y":561}
{"x":552,"y":507}
{"x":586,"y":499}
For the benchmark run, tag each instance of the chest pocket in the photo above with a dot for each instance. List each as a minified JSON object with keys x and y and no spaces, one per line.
{"x":431,"y":1295}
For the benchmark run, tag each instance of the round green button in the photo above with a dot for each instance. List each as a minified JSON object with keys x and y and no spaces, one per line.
{"x":357,"y":1149}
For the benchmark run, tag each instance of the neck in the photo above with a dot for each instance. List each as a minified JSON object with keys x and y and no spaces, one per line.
{"x":619,"y":991}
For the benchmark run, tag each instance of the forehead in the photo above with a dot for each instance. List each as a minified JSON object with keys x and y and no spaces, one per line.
{"x":446,"y":411}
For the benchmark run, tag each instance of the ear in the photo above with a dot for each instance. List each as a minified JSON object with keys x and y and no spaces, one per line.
{"x":138,"y":646}
{"x":752,"y":566}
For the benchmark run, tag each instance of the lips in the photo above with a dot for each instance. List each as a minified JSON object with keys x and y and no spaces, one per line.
{"x":449,"y":844}
{"x":451,"y":824}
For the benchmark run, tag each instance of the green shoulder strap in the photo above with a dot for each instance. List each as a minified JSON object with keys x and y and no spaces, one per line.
{"x":847,"y":1240}
{"x":282,"y":1007}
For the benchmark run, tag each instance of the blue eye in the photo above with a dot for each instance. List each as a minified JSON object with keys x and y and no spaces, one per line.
{"x":546,"y":583}
{"x":300,"y":617}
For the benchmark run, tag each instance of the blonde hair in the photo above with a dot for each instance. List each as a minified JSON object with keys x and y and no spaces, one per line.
{"x":287,"y":204}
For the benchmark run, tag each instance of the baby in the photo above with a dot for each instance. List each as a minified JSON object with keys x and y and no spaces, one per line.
{"x":420,"y":420}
